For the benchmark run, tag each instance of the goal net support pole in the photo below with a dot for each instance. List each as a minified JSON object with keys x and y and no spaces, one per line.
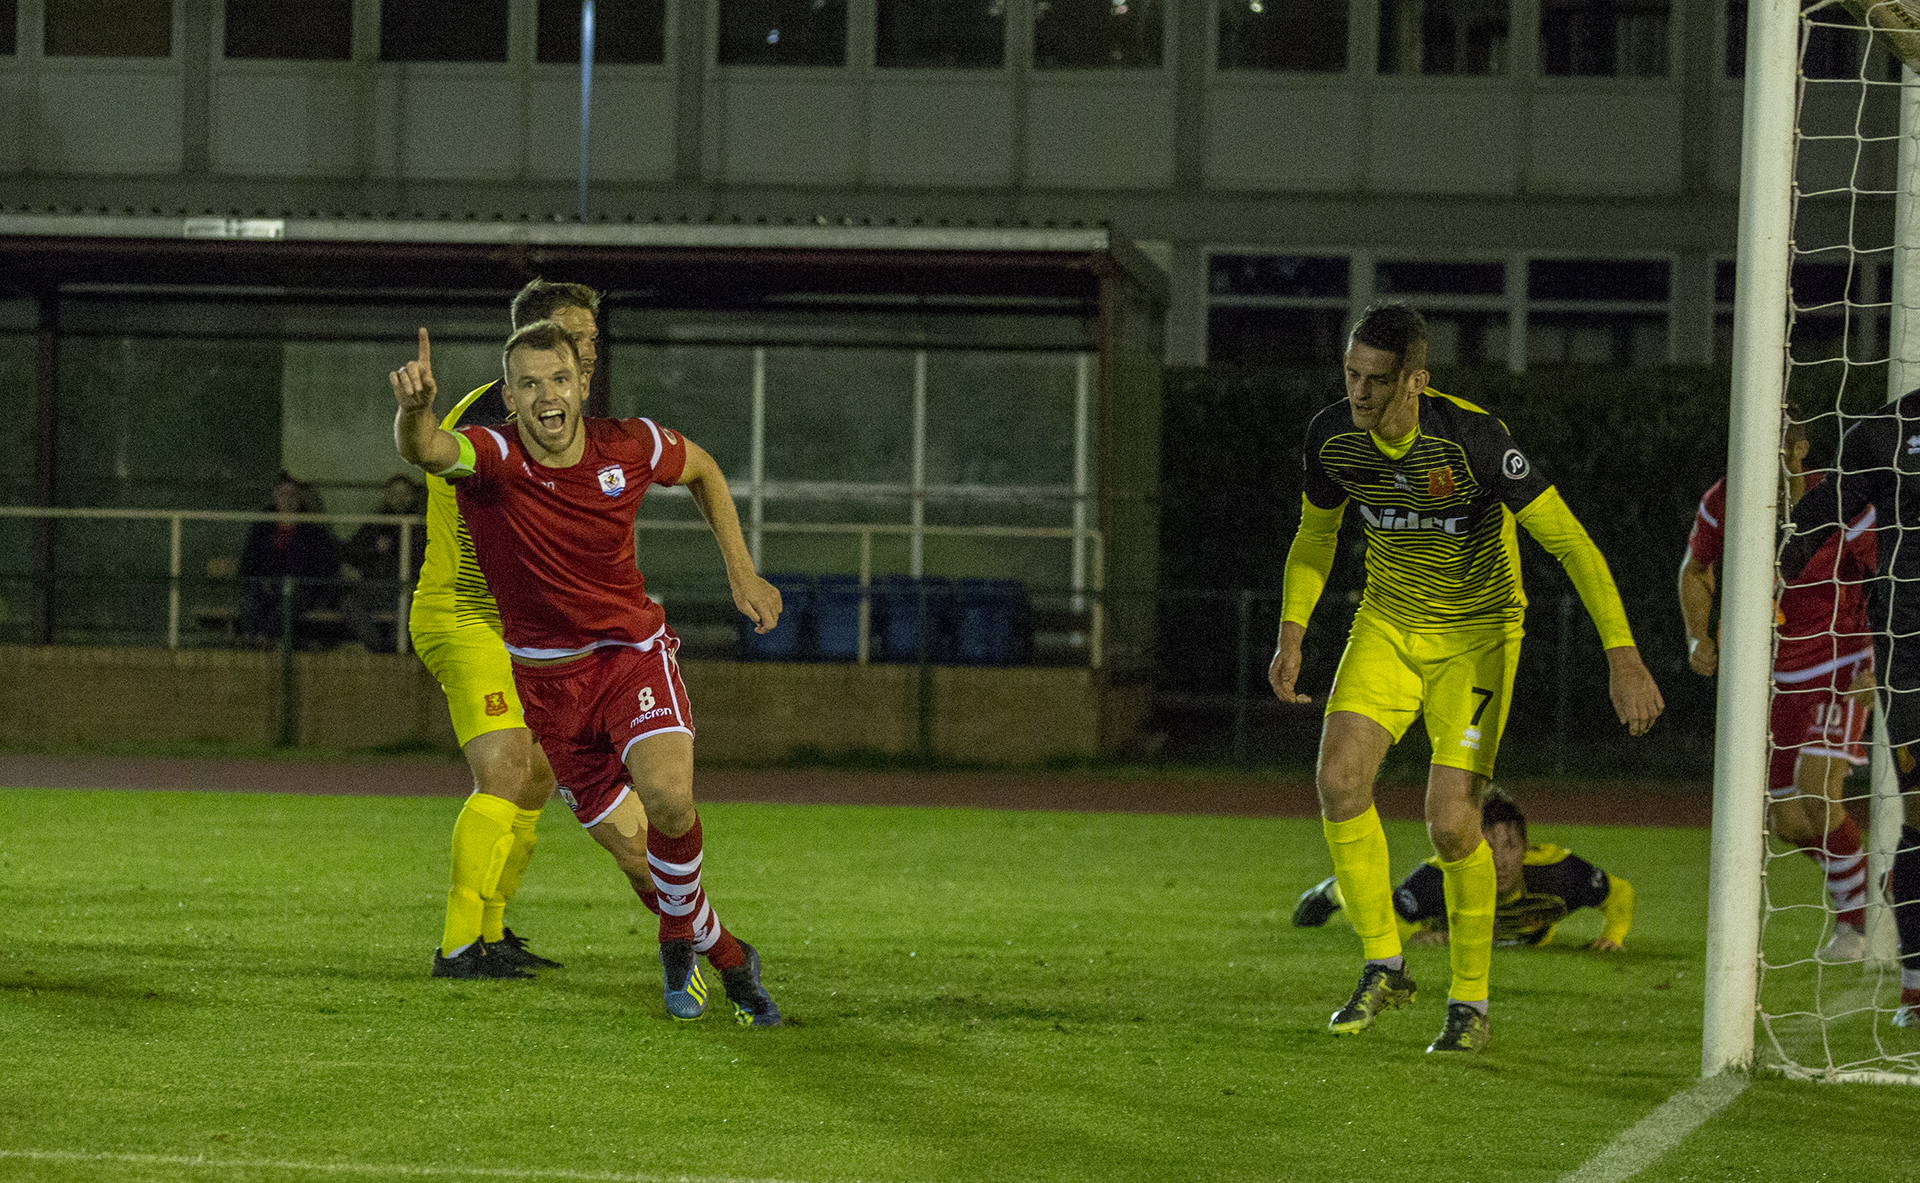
{"x":1753,"y":494}
{"x":1903,"y":374}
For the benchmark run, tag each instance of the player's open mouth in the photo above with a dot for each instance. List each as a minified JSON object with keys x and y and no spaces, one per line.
{"x":551,"y":420}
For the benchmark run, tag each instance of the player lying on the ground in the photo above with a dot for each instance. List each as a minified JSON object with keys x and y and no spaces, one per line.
{"x":1822,"y":683}
{"x":550,"y":505}
{"x":1539,"y":884}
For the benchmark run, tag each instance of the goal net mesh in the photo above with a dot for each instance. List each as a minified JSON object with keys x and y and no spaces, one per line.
{"x":1828,"y":991}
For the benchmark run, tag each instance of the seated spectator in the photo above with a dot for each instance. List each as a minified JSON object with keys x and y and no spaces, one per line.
{"x":373,"y":566}
{"x":308,"y":551}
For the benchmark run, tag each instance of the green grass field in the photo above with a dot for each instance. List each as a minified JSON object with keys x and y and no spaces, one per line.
{"x":234,"y":987}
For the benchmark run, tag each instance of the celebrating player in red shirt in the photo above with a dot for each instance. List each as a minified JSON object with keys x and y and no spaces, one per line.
{"x":1823,"y":669}
{"x":550,"y":504}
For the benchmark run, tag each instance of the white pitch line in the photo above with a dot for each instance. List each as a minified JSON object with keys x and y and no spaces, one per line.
{"x":1660,"y":1131}
{"x":374,"y":1170}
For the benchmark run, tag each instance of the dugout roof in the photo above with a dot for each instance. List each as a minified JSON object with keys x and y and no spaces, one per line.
{"x":739,"y":266}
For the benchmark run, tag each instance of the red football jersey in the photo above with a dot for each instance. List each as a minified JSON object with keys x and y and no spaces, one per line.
{"x":556,"y":544}
{"x":1822,"y":616}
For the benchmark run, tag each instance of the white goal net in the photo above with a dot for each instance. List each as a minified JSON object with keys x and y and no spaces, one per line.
{"x":1827,"y":982}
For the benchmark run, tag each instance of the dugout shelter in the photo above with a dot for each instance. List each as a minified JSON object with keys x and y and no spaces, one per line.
{"x":889,"y":401}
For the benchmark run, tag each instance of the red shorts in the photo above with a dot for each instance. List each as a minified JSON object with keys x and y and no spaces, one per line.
{"x":587,"y":713}
{"x":1815,"y":718}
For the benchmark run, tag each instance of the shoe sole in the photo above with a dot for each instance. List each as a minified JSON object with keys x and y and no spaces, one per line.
{"x":1471,"y":1047}
{"x":1391,"y":1000}
{"x":1314,"y":909}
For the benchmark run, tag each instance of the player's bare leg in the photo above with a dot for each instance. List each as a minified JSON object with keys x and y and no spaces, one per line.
{"x":1466,"y":864}
{"x":1812,"y":816}
{"x":623,"y":833}
{"x":662,"y":769}
{"x":1351,"y":748}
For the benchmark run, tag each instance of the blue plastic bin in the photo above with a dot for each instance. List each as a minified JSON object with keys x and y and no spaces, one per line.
{"x":836,"y":617}
{"x":992,"y":622}
{"x":898,"y":609}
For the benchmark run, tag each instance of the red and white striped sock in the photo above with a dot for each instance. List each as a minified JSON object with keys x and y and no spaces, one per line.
{"x":1846,"y":866}
{"x":685,"y":913}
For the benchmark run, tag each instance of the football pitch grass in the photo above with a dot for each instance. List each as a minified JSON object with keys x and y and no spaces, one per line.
{"x":233,"y":987}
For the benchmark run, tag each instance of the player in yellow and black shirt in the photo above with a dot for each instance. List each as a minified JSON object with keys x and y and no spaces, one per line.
{"x":1537,"y":885}
{"x":455,"y":626}
{"x":1439,"y":486}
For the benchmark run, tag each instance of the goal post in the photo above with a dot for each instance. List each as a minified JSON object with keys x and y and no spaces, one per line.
{"x":1762,"y":274}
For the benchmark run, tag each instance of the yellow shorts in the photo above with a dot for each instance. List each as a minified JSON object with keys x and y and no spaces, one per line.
{"x":1462,"y":681}
{"x":476,"y":675}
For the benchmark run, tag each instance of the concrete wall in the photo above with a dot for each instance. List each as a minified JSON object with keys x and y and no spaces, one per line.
{"x":744,"y":711}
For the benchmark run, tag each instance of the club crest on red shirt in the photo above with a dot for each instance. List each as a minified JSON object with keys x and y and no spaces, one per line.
{"x":1440,"y":482}
{"x":613,"y":480}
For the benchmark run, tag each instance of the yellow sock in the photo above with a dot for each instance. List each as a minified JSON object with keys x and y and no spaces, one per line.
{"x":1470,"y":899}
{"x":493,"y":921}
{"x":482,"y":836}
{"x":1359,"y":849}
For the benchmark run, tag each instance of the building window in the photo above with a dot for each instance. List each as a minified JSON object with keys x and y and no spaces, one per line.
{"x":109,"y":28}
{"x":1464,"y":304}
{"x":783,"y":32}
{"x":928,"y":440}
{"x":443,"y":30}
{"x":1298,"y":36}
{"x":1097,"y":34}
{"x":1598,"y":312}
{"x":625,"y":32}
{"x":968,"y":36}
{"x":1443,"y":36}
{"x":1277,"y":309}
{"x":1838,"y":309}
{"x":1604,"y":38}
{"x":290,"y":30}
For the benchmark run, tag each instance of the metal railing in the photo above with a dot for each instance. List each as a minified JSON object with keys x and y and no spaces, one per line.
{"x":176,"y":517}
{"x":1087,"y":598}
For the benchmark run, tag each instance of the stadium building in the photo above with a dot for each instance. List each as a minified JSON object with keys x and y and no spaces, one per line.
{"x":903,"y":264}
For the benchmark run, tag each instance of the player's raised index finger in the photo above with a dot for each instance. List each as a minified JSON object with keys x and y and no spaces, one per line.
{"x":426,"y":349}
